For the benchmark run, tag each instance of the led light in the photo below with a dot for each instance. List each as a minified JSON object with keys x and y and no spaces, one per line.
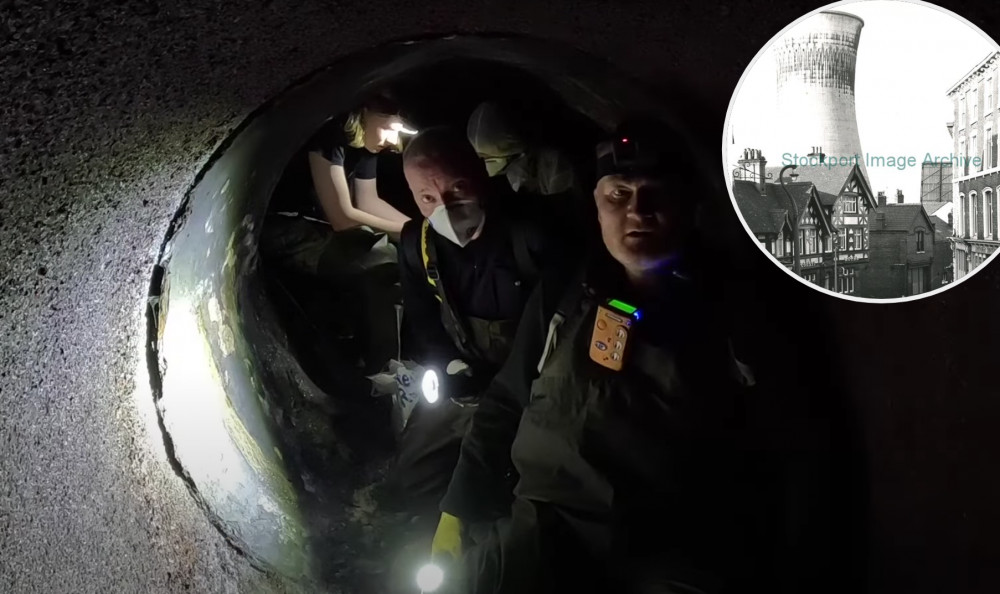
{"x":429,"y":386}
{"x":622,"y":306}
{"x":625,"y":140}
{"x":399,"y":127}
{"x":430,"y":577}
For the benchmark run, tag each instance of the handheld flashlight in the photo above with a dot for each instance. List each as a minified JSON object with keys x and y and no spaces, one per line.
{"x":430,"y":385}
{"x":430,"y":577}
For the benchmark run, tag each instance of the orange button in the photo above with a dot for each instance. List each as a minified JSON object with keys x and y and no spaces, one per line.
{"x":601,"y":324}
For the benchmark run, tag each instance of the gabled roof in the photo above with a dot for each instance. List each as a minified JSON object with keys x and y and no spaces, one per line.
{"x":932,"y":207}
{"x":829,"y":180}
{"x":942,"y":230}
{"x":827,"y":199}
{"x":900,"y":217}
{"x":768,"y":213}
{"x":764,"y":214}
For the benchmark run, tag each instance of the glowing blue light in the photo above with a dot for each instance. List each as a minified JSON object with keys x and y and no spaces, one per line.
{"x":637,"y":314}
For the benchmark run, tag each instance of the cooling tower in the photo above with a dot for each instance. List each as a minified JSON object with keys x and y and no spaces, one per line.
{"x":815,"y":68}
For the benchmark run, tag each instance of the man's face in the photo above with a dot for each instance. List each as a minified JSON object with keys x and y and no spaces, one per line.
{"x":641,"y":223}
{"x":434,"y":183}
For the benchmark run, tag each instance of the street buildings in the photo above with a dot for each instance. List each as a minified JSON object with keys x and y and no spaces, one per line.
{"x":825,"y":208}
{"x":976,"y":179}
{"x":902,"y":252}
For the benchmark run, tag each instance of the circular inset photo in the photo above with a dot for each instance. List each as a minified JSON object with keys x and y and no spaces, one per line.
{"x":861,"y":153}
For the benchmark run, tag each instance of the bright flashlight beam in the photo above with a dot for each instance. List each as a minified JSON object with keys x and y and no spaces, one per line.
{"x":430,"y":577}
{"x":399,"y":127}
{"x":429,"y":386}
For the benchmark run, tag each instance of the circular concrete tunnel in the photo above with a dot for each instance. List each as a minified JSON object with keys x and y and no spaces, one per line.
{"x":112,"y":113}
{"x":241,"y":416}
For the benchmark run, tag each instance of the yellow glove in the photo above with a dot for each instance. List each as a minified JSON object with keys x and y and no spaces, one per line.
{"x":447,"y":538}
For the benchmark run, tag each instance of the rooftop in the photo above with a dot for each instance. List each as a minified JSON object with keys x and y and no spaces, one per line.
{"x":829,"y":180}
{"x":900,"y":217}
{"x":933,"y":206}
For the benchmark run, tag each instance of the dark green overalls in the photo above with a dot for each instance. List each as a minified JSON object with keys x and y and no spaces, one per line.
{"x":624,"y":476}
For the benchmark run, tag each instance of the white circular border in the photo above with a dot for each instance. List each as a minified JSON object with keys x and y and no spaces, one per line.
{"x":728,"y":174}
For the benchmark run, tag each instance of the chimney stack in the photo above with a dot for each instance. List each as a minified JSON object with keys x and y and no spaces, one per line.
{"x":752,"y":168}
{"x":899,"y":196}
{"x":881,"y":198}
{"x":817,"y":151}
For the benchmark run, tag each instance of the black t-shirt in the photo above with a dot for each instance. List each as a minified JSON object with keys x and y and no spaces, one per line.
{"x":296,"y":193}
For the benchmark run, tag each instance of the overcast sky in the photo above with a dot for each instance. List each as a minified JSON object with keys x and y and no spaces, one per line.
{"x":909,"y":56}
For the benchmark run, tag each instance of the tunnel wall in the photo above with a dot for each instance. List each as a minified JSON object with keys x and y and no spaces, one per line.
{"x":111,"y":110}
{"x":227,"y":375}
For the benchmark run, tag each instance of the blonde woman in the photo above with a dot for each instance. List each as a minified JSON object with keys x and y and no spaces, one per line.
{"x":327,"y":219}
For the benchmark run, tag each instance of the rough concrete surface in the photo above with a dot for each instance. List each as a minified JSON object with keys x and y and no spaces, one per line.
{"x":109,"y":109}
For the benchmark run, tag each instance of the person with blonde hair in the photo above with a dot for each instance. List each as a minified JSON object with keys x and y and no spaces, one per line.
{"x":327,"y":219}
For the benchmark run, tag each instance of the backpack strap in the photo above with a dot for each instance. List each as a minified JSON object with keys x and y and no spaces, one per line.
{"x":577,"y":293}
{"x":453,"y":323}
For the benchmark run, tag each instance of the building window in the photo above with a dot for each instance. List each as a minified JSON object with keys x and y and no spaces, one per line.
{"x":974,"y":152}
{"x":845,"y":281}
{"x":851,"y":204}
{"x":992,"y":140}
{"x":988,"y":147}
{"x":974,"y":109}
{"x":964,"y":204}
{"x":988,"y":214}
{"x":811,"y":241}
{"x":920,"y":242}
{"x":963,"y":152}
{"x":978,"y":215}
{"x":918,"y":280}
{"x":988,"y":108}
{"x":961,"y":113}
{"x":864,"y":238}
{"x":994,"y":229}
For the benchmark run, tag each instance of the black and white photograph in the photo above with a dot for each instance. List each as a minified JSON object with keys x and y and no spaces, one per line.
{"x":861,"y":151}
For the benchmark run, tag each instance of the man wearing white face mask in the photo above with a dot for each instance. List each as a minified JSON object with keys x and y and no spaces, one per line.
{"x":466,"y":272}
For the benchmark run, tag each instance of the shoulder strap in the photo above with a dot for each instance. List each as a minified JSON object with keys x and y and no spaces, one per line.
{"x":577,"y":293}
{"x":453,"y":323}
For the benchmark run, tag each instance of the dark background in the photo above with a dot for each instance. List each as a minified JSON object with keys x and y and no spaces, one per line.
{"x":110,"y":109}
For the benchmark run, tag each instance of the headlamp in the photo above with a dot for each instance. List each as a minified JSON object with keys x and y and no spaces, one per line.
{"x":402,"y":129}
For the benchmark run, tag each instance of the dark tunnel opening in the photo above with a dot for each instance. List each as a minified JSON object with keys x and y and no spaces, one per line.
{"x":281,"y":448}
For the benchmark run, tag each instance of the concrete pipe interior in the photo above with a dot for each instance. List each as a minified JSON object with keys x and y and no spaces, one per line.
{"x":277,"y":454}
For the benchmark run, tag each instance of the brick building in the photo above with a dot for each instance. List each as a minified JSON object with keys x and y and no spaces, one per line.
{"x":976,"y":179}
{"x":942,"y":269}
{"x":901,"y":253}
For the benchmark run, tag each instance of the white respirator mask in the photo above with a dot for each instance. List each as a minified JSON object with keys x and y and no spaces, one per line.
{"x":459,"y":222}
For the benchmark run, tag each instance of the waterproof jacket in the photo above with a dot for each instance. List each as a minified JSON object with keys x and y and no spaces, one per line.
{"x":627,"y":480}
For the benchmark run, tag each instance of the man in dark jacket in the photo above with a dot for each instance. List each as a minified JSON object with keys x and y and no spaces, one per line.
{"x":466,"y":272}
{"x":620,"y":408}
